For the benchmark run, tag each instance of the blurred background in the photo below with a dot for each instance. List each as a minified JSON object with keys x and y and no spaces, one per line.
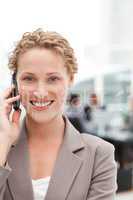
{"x":101,"y":32}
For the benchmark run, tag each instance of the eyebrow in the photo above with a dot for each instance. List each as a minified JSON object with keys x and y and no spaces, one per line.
{"x":48,"y":74}
{"x":53,"y":73}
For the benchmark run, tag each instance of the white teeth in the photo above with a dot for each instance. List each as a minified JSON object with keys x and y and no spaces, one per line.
{"x":41,"y":104}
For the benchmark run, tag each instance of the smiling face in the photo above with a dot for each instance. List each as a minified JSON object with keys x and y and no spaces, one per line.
{"x":43,"y":82}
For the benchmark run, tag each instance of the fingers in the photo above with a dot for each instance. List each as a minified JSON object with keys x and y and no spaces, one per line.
{"x":7,"y":108}
{"x":6,"y":103}
{"x":16,"y":117}
{"x":8,"y":91}
{"x":12,"y":99}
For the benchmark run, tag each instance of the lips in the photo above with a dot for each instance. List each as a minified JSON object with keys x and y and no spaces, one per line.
{"x":41,"y":105}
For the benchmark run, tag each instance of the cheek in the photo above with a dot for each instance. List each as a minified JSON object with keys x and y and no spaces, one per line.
{"x":62,"y":93}
{"x":25,"y":94}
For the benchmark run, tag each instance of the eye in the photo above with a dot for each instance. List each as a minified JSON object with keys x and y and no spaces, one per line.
{"x":28,"y":78}
{"x":53,"y":79}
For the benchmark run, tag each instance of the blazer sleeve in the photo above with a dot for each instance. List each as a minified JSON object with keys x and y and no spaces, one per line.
{"x":104,"y":178}
{"x":4,"y":173}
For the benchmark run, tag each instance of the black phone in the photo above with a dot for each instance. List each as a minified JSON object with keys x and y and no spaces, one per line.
{"x":16,"y":104}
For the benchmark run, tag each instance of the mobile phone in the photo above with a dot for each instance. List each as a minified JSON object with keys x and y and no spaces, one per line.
{"x":16,"y":104}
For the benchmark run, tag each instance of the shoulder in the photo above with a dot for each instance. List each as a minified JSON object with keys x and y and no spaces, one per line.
{"x":94,"y":143}
{"x":85,"y":141}
{"x":101,"y":154}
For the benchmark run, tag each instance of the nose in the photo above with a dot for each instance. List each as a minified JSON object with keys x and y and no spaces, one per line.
{"x":41,"y":90}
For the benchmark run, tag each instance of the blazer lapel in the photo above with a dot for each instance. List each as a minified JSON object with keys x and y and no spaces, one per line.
{"x":67,"y":165}
{"x":19,"y":180}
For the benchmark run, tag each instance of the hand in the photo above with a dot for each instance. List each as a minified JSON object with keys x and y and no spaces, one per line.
{"x":9,"y":125}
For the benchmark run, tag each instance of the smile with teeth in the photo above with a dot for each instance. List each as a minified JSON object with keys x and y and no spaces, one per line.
{"x":41,"y":104}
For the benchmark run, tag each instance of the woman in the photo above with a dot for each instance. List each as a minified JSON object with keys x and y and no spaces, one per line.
{"x":47,"y":157}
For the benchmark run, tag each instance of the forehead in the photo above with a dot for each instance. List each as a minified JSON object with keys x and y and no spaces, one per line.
{"x":40,"y":59}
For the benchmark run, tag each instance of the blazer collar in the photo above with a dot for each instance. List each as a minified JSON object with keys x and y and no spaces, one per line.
{"x":66,"y":167}
{"x":67,"y":164}
{"x":72,"y":137}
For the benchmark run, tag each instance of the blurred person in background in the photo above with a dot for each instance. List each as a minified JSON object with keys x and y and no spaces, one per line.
{"x":128,"y":116}
{"x":94,"y":100}
{"x":46,"y":157}
{"x":100,"y":115}
{"x":73,"y":104}
{"x":74,"y":112}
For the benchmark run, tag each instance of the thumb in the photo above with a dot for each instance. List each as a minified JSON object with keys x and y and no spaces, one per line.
{"x":16,"y":117}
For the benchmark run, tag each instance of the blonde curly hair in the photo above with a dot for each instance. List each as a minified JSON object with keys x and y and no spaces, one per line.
{"x":48,"y":40}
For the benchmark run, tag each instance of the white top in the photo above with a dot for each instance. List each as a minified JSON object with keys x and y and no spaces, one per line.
{"x":40,"y":187}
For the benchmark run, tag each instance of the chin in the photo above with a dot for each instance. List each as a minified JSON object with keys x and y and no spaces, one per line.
{"x":42,"y":118}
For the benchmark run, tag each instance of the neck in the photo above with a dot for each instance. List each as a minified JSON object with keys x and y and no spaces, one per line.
{"x":45,"y":132}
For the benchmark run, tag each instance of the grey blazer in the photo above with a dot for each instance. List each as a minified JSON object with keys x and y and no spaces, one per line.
{"x":84,"y":170}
